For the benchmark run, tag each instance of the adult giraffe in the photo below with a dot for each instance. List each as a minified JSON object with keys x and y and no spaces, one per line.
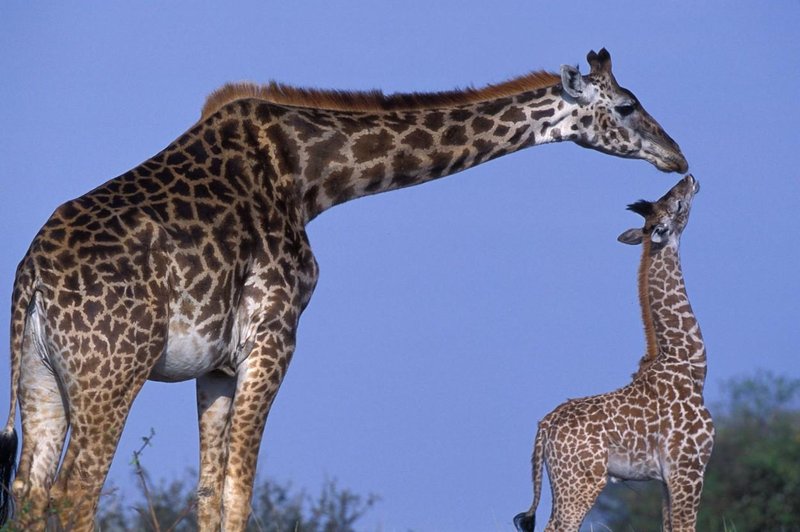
{"x":195,"y":264}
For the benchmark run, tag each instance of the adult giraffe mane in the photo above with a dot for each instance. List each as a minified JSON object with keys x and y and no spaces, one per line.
{"x":373,"y":100}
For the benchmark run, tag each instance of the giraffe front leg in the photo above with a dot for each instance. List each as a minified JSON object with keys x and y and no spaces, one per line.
{"x":214,"y":400}
{"x":684,"y":488}
{"x":685,"y":477}
{"x":258,"y":380}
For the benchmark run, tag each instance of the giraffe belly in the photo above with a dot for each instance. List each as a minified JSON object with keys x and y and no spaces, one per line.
{"x":626,"y":465}
{"x":188,"y":355}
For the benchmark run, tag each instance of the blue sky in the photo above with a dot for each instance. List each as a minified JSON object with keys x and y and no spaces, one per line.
{"x":449,"y":317}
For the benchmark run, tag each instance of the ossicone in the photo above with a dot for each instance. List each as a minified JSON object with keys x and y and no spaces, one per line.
{"x":600,"y":61}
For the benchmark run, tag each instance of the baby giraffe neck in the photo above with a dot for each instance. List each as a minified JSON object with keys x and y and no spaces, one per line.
{"x":675,"y":328}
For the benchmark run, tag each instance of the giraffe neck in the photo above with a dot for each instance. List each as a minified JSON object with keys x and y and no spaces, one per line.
{"x":675,"y":328}
{"x":340,"y":155}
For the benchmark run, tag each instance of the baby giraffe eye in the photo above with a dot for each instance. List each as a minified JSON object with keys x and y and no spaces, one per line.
{"x":624,"y":109}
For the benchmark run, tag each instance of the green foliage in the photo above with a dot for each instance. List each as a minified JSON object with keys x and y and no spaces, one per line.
{"x":276,"y":508}
{"x":171,"y":506}
{"x":753,"y":479}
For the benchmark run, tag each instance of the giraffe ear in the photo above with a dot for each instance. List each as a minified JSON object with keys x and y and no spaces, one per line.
{"x":573,"y":84}
{"x":659,"y":233}
{"x":632,"y":237}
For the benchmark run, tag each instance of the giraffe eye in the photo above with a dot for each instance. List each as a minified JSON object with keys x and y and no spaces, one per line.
{"x":625,"y":109}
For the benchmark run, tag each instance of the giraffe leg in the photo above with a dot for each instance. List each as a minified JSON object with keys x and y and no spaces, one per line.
{"x":44,"y":428}
{"x":576,"y":479}
{"x":258,"y":380}
{"x":666,"y":513}
{"x":685,"y":487}
{"x":575,"y":501}
{"x":685,"y":477}
{"x":98,"y":407}
{"x":98,"y":417}
{"x":214,"y":400}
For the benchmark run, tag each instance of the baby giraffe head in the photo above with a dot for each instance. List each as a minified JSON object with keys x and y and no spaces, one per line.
{"x":665,"y":219}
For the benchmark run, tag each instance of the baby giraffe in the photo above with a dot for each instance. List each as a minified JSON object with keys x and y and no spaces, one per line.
{"x":656,"y":427}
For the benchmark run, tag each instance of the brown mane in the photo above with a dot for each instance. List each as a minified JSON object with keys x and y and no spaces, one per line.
{"x":371,"y":100}
{"x":647,"y":314}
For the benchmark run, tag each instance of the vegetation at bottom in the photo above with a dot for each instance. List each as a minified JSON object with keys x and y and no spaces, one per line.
{"x":753,"y":479}
{"x":170,"y":506}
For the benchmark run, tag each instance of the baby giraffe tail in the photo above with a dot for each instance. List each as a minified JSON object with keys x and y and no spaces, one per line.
{"x":525,"y":521}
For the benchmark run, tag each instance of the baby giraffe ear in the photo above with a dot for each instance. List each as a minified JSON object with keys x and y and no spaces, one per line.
{"x":572,"y":83}
{"x":659,"y":233}
{"x":632,"y":237}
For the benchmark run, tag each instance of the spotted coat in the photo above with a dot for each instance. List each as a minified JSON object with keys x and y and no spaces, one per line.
{"x":656,"y":427}
{"x":196,"y":263}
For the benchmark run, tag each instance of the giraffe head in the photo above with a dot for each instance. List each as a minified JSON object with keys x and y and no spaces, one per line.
{"x":614,"y":121}
{"x":665,"y":219}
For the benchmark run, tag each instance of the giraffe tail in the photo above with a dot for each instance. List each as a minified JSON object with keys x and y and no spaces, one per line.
{"x":526,"y":521}
{"x":8,"y":456}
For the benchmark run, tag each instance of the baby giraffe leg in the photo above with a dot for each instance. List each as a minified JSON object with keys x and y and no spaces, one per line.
{"x":577,"y":476}
{"x":666,"y":512}
{"x":685,"y":487}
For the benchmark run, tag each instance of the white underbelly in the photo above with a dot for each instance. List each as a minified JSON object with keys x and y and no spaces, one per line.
{"x":188,"y":355}
{"x":633,"y":466}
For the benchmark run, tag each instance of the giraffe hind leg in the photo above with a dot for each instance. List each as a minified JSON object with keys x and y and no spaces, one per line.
{"x":44,"y":428}
{"x":99,"y":407}
{"x":98,"y":417}
{"x":569,"y":516}
{"x":576,"y":483}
